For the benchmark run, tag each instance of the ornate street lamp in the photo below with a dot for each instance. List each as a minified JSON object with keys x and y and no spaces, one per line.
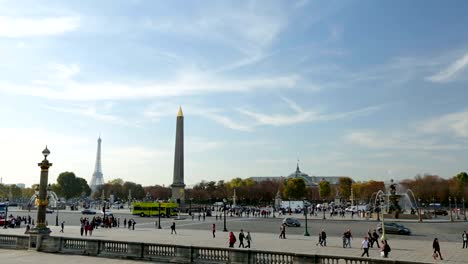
{"x":224,"y":208}
{"x":450,"y":208}
{"x":41,"y":200}
{"x":306,"y":233}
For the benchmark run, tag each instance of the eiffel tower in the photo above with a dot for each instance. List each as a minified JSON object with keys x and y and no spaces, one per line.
{"x":98,"y":179}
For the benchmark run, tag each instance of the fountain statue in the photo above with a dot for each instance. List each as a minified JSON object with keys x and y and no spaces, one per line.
{"x":394,"y":202}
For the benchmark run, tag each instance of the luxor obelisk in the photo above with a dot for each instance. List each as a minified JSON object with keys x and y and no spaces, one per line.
{"x":178,"y":186}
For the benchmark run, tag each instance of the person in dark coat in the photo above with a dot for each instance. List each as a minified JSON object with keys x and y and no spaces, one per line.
{"x":436,"y":247}
{"x":241,"y":238}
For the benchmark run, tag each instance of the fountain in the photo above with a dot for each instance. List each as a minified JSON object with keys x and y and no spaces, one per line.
{"x":51,"y":196}
{"x":396,"y":204}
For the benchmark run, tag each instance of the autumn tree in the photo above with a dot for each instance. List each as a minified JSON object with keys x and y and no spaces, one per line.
{"x":324,"y":190}
{"x":344,"y":187}
{"x":295,"y":188}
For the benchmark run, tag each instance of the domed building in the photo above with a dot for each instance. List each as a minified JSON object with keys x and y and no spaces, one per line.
{"x":299,"y":174}
{"x":310,"y":181}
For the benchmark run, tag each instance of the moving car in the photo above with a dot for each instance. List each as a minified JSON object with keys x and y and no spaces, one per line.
{"x":88,"y":211}
{"x":290,"y":221}
{"x":49,"y":211}
{"x":394,"y":228}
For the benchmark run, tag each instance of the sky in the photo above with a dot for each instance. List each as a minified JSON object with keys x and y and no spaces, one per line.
{"x":366,"y":89}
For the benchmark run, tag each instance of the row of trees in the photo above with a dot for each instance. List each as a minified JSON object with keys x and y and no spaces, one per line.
{"x":426,"y":187}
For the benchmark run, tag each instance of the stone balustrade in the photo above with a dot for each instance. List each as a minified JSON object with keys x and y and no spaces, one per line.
{"x":175,"y":253}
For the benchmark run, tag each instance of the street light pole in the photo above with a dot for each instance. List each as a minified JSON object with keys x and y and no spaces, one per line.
{"x":450,"y":208}
{"x":159,"y":215}
{"x":456,"y":207}
{"x":433,"y":207}
{"x":306,"y":233}
{"x":56,"y":216}
{"x":323,"y":210}
{"x":224,"y":209}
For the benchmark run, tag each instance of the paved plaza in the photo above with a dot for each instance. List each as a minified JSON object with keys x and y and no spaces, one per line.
{"x":402,"y":249}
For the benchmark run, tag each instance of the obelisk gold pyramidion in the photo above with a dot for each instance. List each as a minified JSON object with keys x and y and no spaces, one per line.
{"x":178,"y":186}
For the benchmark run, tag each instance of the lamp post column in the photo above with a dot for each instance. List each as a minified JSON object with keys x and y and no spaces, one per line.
{"x":41,"y":200}
{"x":306,"y":233}
{"x":159,"y":215}
{"x":450,"y":209}
{"x":274,"y":207}
{"x":224,"y":209}
{"x":433,"y":207}
{"x":56,"y":216}
{"x":456,"y":208}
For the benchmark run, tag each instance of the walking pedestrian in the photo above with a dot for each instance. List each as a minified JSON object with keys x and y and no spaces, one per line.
{"x":62,"y":225}
{"x":282,"y":231}
{"x":241,"y":238}
{"x":133,"y":225}
{"x":248,"y":238}
{"x":173,"y":228}
{"x":82,"y":228}
{"x":319,"y":239}
{"x":375,"y":237}
{"x":385,"y":249}
{"x":365,"y":247}
{"x":465,"y":239}
{"x":232,"y":239}
{"x":324,"y":238}
{"x":125,"y":222}
{"x":436,"y":247}
{"x":213,"y":229}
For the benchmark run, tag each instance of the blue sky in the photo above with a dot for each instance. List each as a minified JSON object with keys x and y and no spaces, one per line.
{"x":367,"y":89}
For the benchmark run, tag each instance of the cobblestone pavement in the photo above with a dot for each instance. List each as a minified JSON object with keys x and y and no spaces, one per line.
{"x":412,"y":250}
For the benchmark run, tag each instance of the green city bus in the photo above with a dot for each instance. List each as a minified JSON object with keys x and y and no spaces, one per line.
{"x":168,"y":209}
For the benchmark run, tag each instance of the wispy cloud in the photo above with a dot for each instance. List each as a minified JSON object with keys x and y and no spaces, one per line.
{"x":187,"y":82}
{"x":20,"y":27}
{"x":302,"y":116}
{"x":381,"y":140}
{"x":157,"y":111}
{"x":452,"y":71}
{"x":455,"y":123}
{"x":90,"y":112}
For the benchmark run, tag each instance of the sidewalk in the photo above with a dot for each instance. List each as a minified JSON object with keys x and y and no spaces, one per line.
{"x":34,"y":257}
{"x":410,"y":250}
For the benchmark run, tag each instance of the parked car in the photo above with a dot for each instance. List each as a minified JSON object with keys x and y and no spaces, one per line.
{"x":394,"y":228}
{"x":88,"y":211}
{"x":49,"y":211}
{"x":290,"y":221}
{"x":441,"y":212}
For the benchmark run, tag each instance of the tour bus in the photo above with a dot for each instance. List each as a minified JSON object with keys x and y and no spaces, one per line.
{"x":168,"y":209}
{"x":3,"y":213}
